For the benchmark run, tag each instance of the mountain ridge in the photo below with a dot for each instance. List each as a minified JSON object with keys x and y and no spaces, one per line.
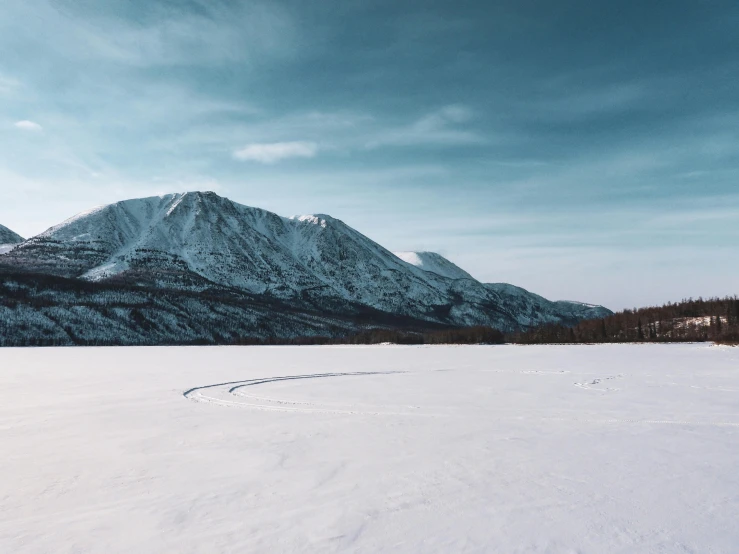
{"x":203,"y":242}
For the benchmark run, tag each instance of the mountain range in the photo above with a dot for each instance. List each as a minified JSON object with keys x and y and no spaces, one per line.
{"x":211,"y":252}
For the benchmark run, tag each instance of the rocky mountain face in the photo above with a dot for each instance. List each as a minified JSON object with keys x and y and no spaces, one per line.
{"x":201,"y":243}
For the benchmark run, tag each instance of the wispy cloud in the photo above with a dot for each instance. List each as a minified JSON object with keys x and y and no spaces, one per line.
{"x":162,"y":33}
{"x":26,"y":125}
{"x":443,"y":126}
{"x":8,"y":84}
{"x":269,"y":153}
{"x":566,"y":103}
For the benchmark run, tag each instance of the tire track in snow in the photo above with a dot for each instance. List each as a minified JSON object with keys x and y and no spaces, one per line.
{"x":234,"y":389}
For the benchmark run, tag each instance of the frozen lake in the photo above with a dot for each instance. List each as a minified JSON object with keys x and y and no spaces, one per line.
{"x":551,"y":449}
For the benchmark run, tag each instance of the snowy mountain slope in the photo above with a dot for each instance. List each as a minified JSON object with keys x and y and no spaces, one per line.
{"x":201,"y":241}
{"x":8,"y":239}
{"x":435,"y":263}
{"x":363,"y":271}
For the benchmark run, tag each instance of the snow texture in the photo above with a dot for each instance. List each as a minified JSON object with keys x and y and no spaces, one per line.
{"x":555,"y":449}
{"x":435,"y":263}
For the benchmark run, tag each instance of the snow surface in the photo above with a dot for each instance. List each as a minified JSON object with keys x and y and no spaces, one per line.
{"x":555,"y":449}
{"x":4,"y":248}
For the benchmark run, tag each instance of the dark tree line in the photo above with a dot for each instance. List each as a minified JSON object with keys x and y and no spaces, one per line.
{"x":466,"y":335}
{"x":692,"y":320}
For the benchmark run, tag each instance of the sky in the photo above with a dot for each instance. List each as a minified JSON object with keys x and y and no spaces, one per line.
{"x":583,"y":149}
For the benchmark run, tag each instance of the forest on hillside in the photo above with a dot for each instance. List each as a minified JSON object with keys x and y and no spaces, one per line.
{"x":691,"y":320}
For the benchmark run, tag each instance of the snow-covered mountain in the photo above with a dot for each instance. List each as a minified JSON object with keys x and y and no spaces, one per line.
{"x":203,"y":242}
{"x":8,"y":239}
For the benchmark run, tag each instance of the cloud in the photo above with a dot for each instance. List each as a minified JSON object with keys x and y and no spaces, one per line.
{"x":568,"y":103}
{"x":187,"y":33}
{"x":454,"y":113}
{"x":26,"y":125}
{"x":268,"y":153}
{"x":438,"y":127}
{"x":8,"y":85}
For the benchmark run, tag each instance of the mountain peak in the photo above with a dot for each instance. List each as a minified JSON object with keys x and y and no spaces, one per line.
{"x":434,"y":263}
{"x":201,"y":194}
{"x":317,"y":219}
{"x":313,"y":219}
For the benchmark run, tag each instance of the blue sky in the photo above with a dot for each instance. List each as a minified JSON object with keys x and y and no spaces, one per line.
{"x":585,"y":150}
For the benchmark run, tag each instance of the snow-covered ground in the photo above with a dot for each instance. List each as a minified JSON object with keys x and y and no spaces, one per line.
{"x":556,"y":449}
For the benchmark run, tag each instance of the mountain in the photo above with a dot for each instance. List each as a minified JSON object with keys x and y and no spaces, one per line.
{"x":202,"y":244}
{"x":201,"y":240}
{"x":8,"y":239}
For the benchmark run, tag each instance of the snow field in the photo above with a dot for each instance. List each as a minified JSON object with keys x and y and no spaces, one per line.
{"x":556,"y":449}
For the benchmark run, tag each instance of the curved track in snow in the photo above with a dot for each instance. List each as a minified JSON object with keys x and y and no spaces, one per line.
{"x":233,"y":394}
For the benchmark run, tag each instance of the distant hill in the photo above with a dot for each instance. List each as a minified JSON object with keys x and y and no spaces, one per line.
{"x":8,"y":239}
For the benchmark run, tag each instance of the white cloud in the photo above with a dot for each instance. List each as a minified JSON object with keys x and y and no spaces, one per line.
{"x":268,"y":153}
{"x":26,"y":125}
